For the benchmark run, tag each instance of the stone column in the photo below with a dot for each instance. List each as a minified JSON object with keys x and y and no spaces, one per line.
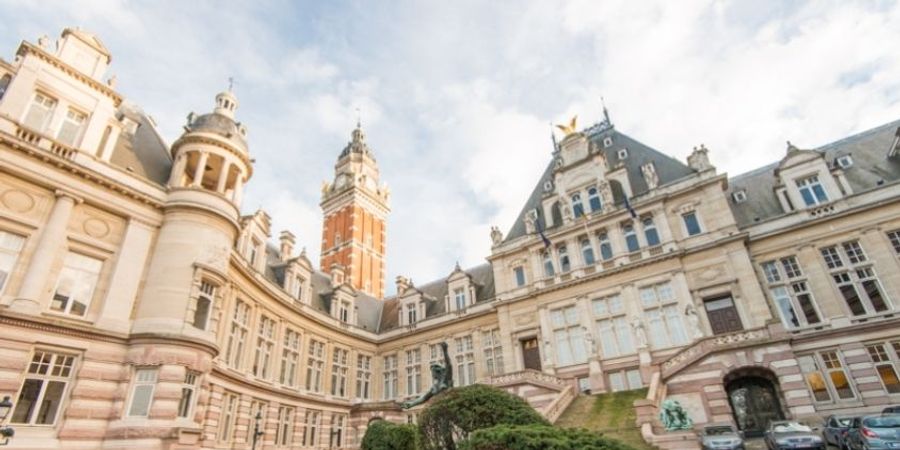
{"x":130,"y":264}
{"x":52,"y":238}
{"x":223,"y":176}
{"x":238,"y":189}
{"x":201,"y":167}
{"x":545,"y":342}
{"x":178,"y":171}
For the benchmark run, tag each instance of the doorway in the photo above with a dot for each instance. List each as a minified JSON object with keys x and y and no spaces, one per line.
{"x":754,"y":399}
{"x":723,"y":315}
{"x":531,"y":354}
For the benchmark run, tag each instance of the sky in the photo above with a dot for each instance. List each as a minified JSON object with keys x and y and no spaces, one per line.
{"x":457,"y":98}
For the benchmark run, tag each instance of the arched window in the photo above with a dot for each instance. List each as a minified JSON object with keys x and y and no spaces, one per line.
{"x":650,"y":232}
{"x":564,"y":264}
{"x":587,"y":252}
{"x":605,"y":245}
{"x":577,"y":206}
{"x":548,"y":264}
{"x":594,"y":199}
{"x":631,"y":239}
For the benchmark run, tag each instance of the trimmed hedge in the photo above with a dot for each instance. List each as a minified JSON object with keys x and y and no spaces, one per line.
{"x":454,"y":414}
{"x":384,"y":435}
{"x":538,"y":437}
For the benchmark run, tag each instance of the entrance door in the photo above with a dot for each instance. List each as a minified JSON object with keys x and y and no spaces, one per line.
{"x":723,"y":316}
{"x":754,"y":404}
{"x":531,"y":354}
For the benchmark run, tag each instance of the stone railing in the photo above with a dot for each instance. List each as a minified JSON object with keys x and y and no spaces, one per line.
{"x":710,"y":344}
{"x":526,"y":376}
{"x":555,"y":408}
{"x":823,"y":210}
{"x":36,"y":139}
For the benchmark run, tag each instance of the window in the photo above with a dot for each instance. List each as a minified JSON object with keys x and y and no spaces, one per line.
{"x":311,"y":428}
{"x":792,"y":298}
{"x":577,"y":206}
{"x":605,"y":246}
{"x":623,"y":153}
{"x":844,"y":161}
{"x":493,"y":352}
{"x":298,"y":288}
{"x":413,"y":372}
{"x":594,"y":199}
{"x":650,"y":233}
{"x":76,"y":284}
{"x":290,"y":359}
{"x":885,"y":357}
{"x":188,"y":394}
{"x":340,"y":365}
{"x":229,"y":416}
{"x":465,"y":361}
{"x":826,"y":377}
{"x":812,"y":191}
{"x":10,"y":246}
{"x":72,"y":127}
{"x":344,"y":311}
{"x":634,"y":379}
{"x":739,"y":196}
{"x":587,"y":252}
{"x":338,"y":421}
{"x":284,"y":432}
{"x":44,"y":388}
{"x":612,"y":327}
{"x":261,"y":408}
{"x":390,"y":377}
{"x":363,"y":376}
{"x":858,"y":283}
{"x":314,"y":364}
{"x":265,"y":346}
{"x":568,"y":335}
{"x":142,"y":392}
{"x":460,"y":297}
{"x":548,"y":263}
{"x":253,"y":252}
{"x":631,"y":239}
{"x":237,"y":336}
{"x":519,"y":273}
{"x":204,"y":305}
{"x":564,"y":264}
{"x":39,"y":112}
{"x":625,"y":380}
{"x":666,"y":327}
{"x":4,"y":84}
{"x":607,"y":141}
{"x":691,"y":223}
{"x":893,"y":236}
{"x":411,"y":311}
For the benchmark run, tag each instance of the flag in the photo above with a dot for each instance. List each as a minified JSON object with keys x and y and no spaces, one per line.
{"x":540,"y":230}
{"x":630,"y":209}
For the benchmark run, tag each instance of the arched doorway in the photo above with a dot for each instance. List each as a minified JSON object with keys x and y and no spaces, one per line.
{"x":755,"y":400}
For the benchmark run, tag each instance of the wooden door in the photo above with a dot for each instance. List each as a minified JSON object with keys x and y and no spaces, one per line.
{"x":531,"y":354}
{"x":722,"y":314}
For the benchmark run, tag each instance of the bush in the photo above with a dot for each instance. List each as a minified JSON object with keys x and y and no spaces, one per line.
{"x":456,"y":413}
{"x":384,"y":435}
{"x":538,"y":437}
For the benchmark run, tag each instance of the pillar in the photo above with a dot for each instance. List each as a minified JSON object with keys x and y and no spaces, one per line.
{"x":177,"y":175}
{"x":130,"y":264}
{"x":223,"y":176}
{"x":201,"y":167}
{"x":238,"y":189}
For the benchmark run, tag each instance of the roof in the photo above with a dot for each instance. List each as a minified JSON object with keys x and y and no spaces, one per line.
{"x":90,"y":39}
{"x":218,"y":124}
{"x":871,"y":168}
{"x":142,"y":152}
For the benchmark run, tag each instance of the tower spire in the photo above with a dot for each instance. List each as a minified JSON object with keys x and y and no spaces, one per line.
{"x":605,"y":111}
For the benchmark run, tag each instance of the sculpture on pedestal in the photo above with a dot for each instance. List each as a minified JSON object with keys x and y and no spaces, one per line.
{"x":442,"y":374}
{"x":674,"y":417}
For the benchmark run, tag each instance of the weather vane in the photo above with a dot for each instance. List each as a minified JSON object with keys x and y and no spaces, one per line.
{"x":230,"y":84}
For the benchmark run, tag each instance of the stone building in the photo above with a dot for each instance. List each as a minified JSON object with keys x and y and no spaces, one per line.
{"x":141,"y":309}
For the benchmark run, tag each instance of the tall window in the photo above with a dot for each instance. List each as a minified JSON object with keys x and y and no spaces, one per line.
{"x":253,"y":253}
{"x":691,"y":223}
{"x":338,"y":422}
{"x":237,"y":336}
{"x":284,"y":432}
{"x":812,"y":191}
{"x":265,"y":346}
{"x":39,"y":112}
{"x":188,"y":394}
{"x":577,"y":206}
{"x":564,"y":264}
{"x":436,"y":355}
{"x":142,"y":392}
{"x":631,"y":239}
{"x":290,"y":359}
{"x":44,"y":388}
{"x":298,"y":287}
{"x":344,"y":311}
{"x":789,"y":290}
{"x":311,"y":428}
{"x":460,"y":297}
{"x":204,"y":305}
{"x":893,"y":237}
{"x":605,"y":246}
{"x":413,"y":371}
{"x":612,"y":327}
{"x":10,"y":246}
{"x":568,"y":335}
{"x":4,"y":84}
{"x":390,"y":377}
{"x":76,"y":284}
{"x":663,"y":316}
{"x":262,"y":409}
{"x":587,"y":252}
{"x":855,"y":278}
{"x":228,"y":417}
{"x":363,"y":376}
{"x":493,"y":352}
{"x":519,"y":273}
{"x":625,"y":380}
{"x":826,"y":376}
{"x":548,"y":263}
{"x":411,"y":313}
{"x":594,"y":199}
{"x":340,"y":365}
{"x":885,"y":357}
{"x":465,"y":361}
{"x":72,"y":127}
{"x":314,"y":364}
{"x":650,"y":233}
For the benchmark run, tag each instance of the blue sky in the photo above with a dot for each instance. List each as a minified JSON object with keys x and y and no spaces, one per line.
{"x":457,"y":97}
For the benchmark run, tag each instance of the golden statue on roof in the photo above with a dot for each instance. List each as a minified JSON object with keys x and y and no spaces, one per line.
{"x":571,"y":127}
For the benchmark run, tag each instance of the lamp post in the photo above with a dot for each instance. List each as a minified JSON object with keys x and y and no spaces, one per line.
{"x":6,"y":432}
{"x":256,"y":431}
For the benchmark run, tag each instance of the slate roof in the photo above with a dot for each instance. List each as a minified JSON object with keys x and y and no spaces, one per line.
{"x":144,"y":152}
{"x":219,"y":124}
{"x":871,"y":168}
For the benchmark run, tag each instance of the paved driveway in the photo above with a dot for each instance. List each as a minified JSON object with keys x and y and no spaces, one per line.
{"x":755,"y":444}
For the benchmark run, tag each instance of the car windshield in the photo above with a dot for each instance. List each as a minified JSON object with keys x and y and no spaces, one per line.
{"x":789,"y":427}
{"x":845,"y":422}
{"x":892,"y":421}
{"x":715,"y":431}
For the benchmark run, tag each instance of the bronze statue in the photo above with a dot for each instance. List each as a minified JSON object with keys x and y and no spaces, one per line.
{"x":442,"y":376}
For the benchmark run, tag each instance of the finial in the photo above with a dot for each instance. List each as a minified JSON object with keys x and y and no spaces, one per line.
{"x":553,"y":137}
{"x":605,"y":111}
{"x":230,"y":84}
{"x":358,"y":118}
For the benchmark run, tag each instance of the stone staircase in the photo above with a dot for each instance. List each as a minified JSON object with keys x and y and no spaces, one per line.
{"x":612,"y":414}
{"x":548,"y":394}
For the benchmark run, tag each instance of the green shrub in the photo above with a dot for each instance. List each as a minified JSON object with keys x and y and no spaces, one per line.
{"x":538,"y":437}
{"x":454,"y":414}
{"x":384,"y":435}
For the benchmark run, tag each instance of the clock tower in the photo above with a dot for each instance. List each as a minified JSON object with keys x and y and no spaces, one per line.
{"x":355,"y":206}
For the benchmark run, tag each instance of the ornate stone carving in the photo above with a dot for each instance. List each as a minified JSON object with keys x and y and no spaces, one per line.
{"x":650,"y":175}
{"x":693,"y":321}
{"x":639,"y":334}
{"x":95,"y":227}
{"x":530,"y":220}
{"x":699,"y":159}
{"x":17,"y":201}
{"x":496,"y":236}
{"x":606,"y":195}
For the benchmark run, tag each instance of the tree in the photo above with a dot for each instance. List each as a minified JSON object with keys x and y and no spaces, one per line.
{"x":538,"y":437}
{"x":384,"y":435}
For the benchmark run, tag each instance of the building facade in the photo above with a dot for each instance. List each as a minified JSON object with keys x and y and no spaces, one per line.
{"x":141,"y":309}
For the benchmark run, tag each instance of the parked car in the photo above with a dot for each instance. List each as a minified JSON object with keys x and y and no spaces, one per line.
{"x":836,"y":430}
{"x":891,"y":410}
{"x":721,"y":436}
{"x":874,"y":432}
{"x":792,"y":435}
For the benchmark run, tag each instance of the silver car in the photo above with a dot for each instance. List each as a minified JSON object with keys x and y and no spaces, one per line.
{"x":875,"y":433}
{"x":721,"y":436}
{"x":791,"y":435}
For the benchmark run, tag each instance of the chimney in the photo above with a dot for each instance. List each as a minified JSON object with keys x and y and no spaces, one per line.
{"x":337,"y":274}
{"x":287,"y":244}
{"x":402,"y":284}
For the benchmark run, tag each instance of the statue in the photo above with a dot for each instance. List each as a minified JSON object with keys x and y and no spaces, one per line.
{"x":674,"y":417}
{"x":588,"y":341}
{"x":44,"y":42}
{"x":639,"y":334}
{"x":606,"y":195}
{"x":496,"y":236}
{"x":530,"y":220}
{"x":650,"y":175}
{"x":694,"y":321}
{"x":571,"y":127}
{"x":699,"y":159}
{"x":443,"y":380}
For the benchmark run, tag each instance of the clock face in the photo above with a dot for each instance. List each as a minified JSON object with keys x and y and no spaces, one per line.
{"x":340,"y":181}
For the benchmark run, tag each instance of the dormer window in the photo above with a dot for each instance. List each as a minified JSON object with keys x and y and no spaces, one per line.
{"x":812,"y":191}
{"x":344,"y":311}
{"x":623,"y":153}
{"x":253,"y":252}
{"x":72,"y":127}
{"x":39,"y":113}
{"x":411,"y":313}
{"x":459,"y":296}
{"x":577,"y":206}
{"x":594,"y":199}
{"x":607,"y":142}
{"x":739,"y":196}
{"x":298,"y":287}
{"x":844,"y":161}
{"x":548,"y":186}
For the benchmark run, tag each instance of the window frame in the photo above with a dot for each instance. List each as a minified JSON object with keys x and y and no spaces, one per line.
{"x":687,"y":227}
{"x":66,"y":363}
{"x":137,"y":383}
{"x":806,"y":186}
{"x":71,"y":300}
{"x":10,"y":254}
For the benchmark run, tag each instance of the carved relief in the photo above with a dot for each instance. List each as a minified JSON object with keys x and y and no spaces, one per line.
{"x":98,"y":224}
{"x":708,"y":275}
{"x":17,"y":201}
{"x":95,"y":228}
{"x":523,"y":320}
